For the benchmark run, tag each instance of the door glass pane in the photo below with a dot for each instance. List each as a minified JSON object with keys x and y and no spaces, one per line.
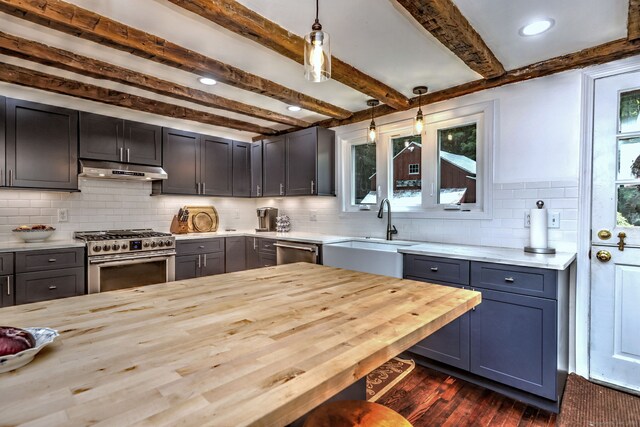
{"x":364,"y":174}
{"x":457,"y":150}
{"x":629,"y":158}
{"x":628,"y":205}
{"x":406,"y":169}
{"x":630,"y":111}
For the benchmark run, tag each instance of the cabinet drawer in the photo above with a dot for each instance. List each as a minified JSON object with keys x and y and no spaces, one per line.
{"x":437,"y":269}
{"x":29,"y":261}
{"x":6,"y":264}
{"x":47,"y":285}
{"x":200,"y":246}
{"x":266,"y":246}
{"x":519,"y":280}
{"x":267,"y":260}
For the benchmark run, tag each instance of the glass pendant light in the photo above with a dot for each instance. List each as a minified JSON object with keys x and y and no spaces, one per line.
{"x":418,"y":123}
{"x":317,"y":53}
{"x":373,"y":133}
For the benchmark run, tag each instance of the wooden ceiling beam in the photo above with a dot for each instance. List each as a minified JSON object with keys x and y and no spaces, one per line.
{"x":88,"y":25}
{"x":607,"y":52}
{"x":65,"y":60}
{"x":633,"y":22}
{"x":48,"y":82}
{"x":243,"y":21}
{"x":446,"y":23}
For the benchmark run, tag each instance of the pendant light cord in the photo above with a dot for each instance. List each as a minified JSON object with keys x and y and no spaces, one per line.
{"x":317,"y":7}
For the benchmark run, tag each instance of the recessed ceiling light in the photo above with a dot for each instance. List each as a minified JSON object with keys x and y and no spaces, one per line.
{"x":293,"y":108}
{"x":207,"y":81}
{"x":537,"y":27}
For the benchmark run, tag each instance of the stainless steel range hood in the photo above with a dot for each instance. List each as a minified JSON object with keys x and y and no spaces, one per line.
{"x":113,"y":170}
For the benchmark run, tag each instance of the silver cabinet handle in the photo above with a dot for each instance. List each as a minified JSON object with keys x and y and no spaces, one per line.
{"x":281,"y":189}
{"x":204,"y":187}
{"x":52,"y":260}
{"x":128,"y":155}
{"x":197,"y":187}
{"x":312,"y":187}
{"x":8,"y":285}
{"x":434,"y":268}
{"x":121,"y":154}
{"x":53,"y":287}
{"x":199,"y":262}
{"x":1,"y":177}
{"x":200,"y":247}
{"x":10,"y":177}
{"x":509,"y":279}
{"x":258,"y":190}
{"x":204,"y":264}
{"x":254,"y":244}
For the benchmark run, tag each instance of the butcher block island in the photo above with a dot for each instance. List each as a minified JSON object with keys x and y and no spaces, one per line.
{"x":258,"y":347}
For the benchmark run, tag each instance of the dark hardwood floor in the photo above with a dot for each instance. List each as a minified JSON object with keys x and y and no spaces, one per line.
{"x":430,"y":398}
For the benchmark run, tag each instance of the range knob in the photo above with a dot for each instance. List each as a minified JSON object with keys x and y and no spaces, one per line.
{"x":124,"y":246}
{"x":146,"y":244}
{"x":161,"y":243}
{"x":106,"y":248}
{"x":168,"y":243}
{"x":154,"y":244}
{"x":97,"y":248}
{"x":116,"y":246}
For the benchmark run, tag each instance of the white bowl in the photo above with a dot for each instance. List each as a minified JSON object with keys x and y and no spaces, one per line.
{"x":43,"y":336}
{"x":34,"y":235}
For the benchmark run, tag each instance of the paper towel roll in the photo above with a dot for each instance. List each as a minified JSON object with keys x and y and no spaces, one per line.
{"x":538,"y":228}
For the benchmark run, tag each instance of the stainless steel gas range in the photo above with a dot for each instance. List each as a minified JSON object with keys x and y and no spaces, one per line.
{"x":120,"y":259}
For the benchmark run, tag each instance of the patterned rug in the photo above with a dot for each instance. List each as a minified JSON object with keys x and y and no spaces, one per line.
{"x":588,"y":404}
{"x":383,"y":378}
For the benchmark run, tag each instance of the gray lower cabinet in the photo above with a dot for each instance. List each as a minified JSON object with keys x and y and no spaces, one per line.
{"x":260,"y":252}
{"x":252,"y":253}
{"x":199,"y":258}
{"x":7,"y":292}
{"x":49,"y":274}
{"x":235,"y":257}
{"x":515,"y":337}
{"x":41,"y":146}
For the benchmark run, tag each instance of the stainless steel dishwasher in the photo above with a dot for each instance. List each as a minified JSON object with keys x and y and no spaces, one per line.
{"x":290,"y":252}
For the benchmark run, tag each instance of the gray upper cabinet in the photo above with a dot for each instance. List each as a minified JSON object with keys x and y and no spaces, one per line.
{"x":273,"y":165}
{"x":117,"y":140}
{"x":241,"y":169}
{"x":41,"y":146}
{"x":216,"y":157}
{"x":181,"y":153}
{"x":310,"y":162}
{"x":256,"y":169}
{"x":3,"y":169}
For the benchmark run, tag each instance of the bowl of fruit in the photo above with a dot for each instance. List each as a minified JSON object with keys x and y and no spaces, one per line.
{"x":34,"y":233}
{"x":19,"y":346}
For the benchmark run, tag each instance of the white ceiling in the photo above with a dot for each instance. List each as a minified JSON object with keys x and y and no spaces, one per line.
{"x":375,"y":36}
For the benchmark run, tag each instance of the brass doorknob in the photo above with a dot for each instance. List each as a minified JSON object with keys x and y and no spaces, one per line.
{"x":604,"y":234}
{"x":603,"y":255}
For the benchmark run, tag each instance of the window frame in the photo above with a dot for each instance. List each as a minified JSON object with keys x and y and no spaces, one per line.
{"x":416,"y":165}
{"x":483,"y":114}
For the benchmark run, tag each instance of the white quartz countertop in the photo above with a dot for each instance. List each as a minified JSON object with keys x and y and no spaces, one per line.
{"x":35,"y":246}
{"x":510,"y":256}
{"x":296,"y":236}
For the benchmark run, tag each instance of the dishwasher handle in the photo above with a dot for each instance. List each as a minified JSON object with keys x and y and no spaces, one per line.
{"x":313,"y":249}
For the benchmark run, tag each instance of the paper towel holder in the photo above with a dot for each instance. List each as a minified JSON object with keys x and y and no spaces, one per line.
{"x":540,"y":205}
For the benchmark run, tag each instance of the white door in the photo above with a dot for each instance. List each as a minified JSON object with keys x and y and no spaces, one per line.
{"x":614,"y":348}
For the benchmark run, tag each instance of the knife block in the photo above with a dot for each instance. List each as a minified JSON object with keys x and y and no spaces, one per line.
{"x":178,"y":227}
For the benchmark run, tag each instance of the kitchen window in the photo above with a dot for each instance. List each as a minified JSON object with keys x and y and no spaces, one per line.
{"x":443,"y":173}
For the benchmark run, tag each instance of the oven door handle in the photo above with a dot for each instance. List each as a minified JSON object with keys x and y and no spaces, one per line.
{"x":135,"y":259}
{"x":299,"y":248}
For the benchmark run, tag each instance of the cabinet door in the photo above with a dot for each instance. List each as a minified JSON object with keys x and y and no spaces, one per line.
{"x":181,"y":154}
{"x":301,"y":163}
{"x":142,"y":143}
{"x":188,"y":266}
{"x":513,"y":341}
{"x":256,"y":169}
{"x":101,"y":137}
{"x":212,"y":263}
{"x":3,"y":170}
{"x":235,"y":258}
{"x":41,"y":146}
{"x":7,"y":291}
{"x":449,"y":344}
{"x":217,"y":178}
{"x":6,"y":263}
{"x":241,"y":169}
{"x":267,"y":260}
{"x":252,"y":245}
{"x":273,"y":161}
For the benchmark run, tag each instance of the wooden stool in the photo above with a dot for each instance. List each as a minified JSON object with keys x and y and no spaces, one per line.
{"x":354,"y":413}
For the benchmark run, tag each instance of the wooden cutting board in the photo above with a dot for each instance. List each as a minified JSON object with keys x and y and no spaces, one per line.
{"x":202,"y":219}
